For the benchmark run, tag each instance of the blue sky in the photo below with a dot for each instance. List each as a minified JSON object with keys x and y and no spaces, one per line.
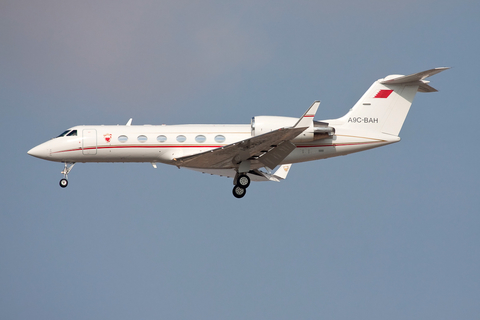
{"x":387,"y":233}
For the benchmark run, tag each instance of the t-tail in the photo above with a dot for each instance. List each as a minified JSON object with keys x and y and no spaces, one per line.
{"x":385,"y":105}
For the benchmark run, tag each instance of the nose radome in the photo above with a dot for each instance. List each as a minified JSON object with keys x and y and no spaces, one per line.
{"x":39,"y":152}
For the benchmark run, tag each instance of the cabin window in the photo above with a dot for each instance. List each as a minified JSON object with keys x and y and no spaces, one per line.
{"x":72,"y":133}
{"x":142,"y":138}
{"x":122,"y":138}
{"x":161,"y":138}
{"x":200,"y":138}
{"x":220,"y":138}
{"x":181,"y":138}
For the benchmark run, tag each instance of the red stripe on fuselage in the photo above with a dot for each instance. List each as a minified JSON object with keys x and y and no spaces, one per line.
{"x":136,"y":147}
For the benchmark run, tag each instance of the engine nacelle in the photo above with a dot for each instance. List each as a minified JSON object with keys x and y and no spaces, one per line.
{"x":264,"y":124}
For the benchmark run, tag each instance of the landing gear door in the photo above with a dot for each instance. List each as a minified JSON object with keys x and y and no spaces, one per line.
{"x":89,"y":141}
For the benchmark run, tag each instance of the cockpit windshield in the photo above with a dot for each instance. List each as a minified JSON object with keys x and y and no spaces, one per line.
{"x":64,"y":134}
{"x":68,"y":133}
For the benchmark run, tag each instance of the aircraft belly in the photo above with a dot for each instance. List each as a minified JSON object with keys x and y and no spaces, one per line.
{"x":132,"y":154}
{"x":339,"y":146}
{"x":302,"y":154}
{"x":148,"y":153}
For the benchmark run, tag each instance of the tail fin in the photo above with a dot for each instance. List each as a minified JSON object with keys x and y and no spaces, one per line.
{"x":385,"y":105}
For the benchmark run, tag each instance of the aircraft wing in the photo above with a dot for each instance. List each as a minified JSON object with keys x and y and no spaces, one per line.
{"x":269,"y":148}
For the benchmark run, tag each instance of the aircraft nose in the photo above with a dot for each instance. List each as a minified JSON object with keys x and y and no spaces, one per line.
{"x":39,"y":152}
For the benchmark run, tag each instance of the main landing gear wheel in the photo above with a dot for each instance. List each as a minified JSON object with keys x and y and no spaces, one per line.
{"x":239,"y":192}
{"x":63,"y":183}
{"x":243,"y":181}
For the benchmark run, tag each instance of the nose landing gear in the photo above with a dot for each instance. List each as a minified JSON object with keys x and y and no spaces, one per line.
{"x":68,"y":167}
{"x":241,"y":185}
{"x":63,"y":183}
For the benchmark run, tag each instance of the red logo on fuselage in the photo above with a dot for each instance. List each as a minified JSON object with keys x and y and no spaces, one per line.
{"x":108,"y":137}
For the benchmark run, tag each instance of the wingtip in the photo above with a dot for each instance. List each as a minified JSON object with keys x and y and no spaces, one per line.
{"x":440,"y":69}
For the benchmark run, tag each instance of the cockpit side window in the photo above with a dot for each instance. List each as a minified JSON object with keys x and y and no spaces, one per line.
{"x":64,"y":134}
{"x":72,"y":133}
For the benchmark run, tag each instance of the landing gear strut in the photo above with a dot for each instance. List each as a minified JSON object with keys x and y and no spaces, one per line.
{"x":68,"y":167}
{"x":242,"y":182}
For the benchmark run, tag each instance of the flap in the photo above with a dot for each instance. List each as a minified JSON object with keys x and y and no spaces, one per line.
{"x":274,"y":157}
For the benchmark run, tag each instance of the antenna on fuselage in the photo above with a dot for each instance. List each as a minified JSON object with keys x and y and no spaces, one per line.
{"x":129,"y":122}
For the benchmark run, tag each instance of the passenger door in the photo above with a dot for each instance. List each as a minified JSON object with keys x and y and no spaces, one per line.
{"x":89,"y":141}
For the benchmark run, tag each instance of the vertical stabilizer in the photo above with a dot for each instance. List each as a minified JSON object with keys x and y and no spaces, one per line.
{"x":385,"y":105}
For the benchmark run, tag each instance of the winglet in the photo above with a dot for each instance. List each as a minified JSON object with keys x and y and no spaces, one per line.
{"x":129,"y":123}
{"x":282,"y":172}
{"x":277,"y":176}
{"x":307,"y":119}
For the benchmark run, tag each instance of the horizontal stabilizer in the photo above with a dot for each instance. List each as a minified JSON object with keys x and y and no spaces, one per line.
{"x":416,"y":78}
{"x":424,"y":87}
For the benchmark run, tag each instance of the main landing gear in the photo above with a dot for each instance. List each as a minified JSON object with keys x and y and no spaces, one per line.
{"x":241,"y":185}
{"x":68,"y":167}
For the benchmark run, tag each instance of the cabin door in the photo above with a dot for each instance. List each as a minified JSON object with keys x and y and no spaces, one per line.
{"x":89,"y":141}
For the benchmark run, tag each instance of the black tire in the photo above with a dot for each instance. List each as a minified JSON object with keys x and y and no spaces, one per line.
{"x":239,"y":192}
{"x":63,"y":183}
{"x":243,"y":181}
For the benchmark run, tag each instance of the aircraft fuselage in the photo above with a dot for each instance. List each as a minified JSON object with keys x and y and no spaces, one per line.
{"x":164,"y":143}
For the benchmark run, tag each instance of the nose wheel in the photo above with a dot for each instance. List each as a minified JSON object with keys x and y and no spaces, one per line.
{"x":63,"y":183}
{"x":68,"y":167}
{"x":242,"y":183}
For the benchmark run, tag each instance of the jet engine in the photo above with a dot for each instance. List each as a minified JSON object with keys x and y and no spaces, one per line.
{"x":264,"y":124}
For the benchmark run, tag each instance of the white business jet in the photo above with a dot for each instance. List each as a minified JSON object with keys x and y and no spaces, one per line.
{"x":247,"y":152}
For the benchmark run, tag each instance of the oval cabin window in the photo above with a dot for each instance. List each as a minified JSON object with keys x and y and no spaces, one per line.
{"x":161,"y":138}
{"x":220,"y":138}
{"x":123,"y":138}
{"x":200,"y":138}
{"x":181,"y":138}
{"x":142,"y":138}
